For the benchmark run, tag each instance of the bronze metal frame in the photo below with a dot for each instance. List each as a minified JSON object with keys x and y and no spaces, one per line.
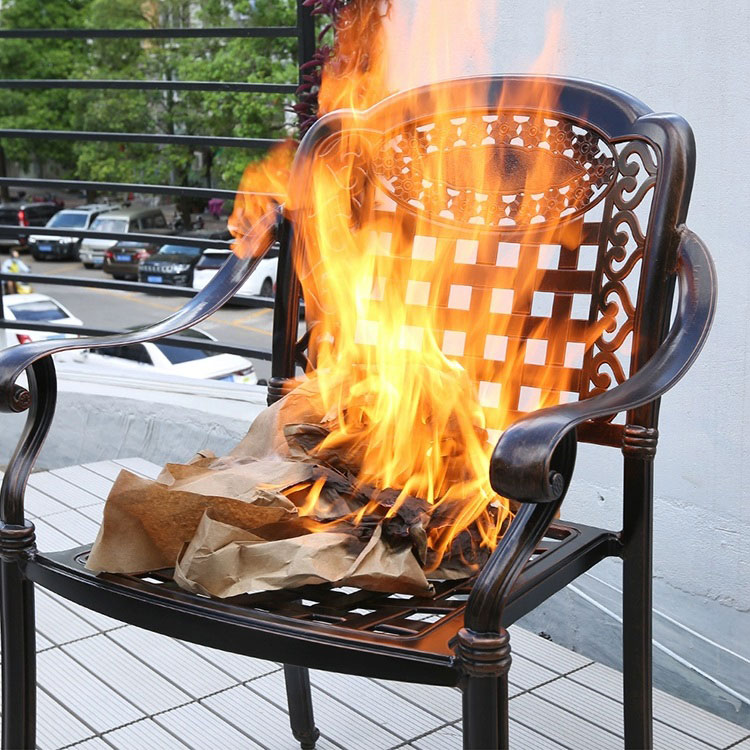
{"x":465,"y":640}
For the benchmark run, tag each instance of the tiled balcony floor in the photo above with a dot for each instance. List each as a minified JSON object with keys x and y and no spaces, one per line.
{"x":104,"y":684}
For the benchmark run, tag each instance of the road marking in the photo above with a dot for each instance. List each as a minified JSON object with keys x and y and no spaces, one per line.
{"x":251,"y":316}
{"x":254,"y":329}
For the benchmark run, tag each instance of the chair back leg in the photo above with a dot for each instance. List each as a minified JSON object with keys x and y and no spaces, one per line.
{"x":19,"y":657}
{"x":299,"y":699}
{"x":637,"y":604}
{"x":485,"y":661}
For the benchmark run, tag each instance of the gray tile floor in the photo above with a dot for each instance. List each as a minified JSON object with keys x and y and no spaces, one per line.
{"x":105,"y":685}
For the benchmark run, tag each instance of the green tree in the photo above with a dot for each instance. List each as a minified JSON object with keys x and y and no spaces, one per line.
{"x":248,"y":115}
{"x":39,"y":109}
{"x":243,"y":60}
{"x":114,"y":110}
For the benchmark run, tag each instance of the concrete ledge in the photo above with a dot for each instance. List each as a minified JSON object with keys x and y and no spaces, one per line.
{"x":160,"y":418}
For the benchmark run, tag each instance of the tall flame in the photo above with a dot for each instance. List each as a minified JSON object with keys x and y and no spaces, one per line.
{"x":400,"y":409}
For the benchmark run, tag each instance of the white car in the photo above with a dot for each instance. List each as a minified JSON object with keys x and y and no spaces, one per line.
{"x":262,"y":281}
{"x":163,"y":357}
{"x":43,"y":247}
{"x":35,"y":308}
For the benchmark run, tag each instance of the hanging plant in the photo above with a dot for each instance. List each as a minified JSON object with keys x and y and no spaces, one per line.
{"x":343,"y":55}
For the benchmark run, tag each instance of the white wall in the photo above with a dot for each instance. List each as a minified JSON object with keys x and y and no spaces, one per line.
{"x":690,"y":57}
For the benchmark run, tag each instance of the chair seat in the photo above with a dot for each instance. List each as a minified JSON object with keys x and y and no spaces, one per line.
{"x":391,"y":636}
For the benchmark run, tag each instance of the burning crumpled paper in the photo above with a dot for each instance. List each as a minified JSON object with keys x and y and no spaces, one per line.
{"x":232,"y":525}
{"x":224,"y":560}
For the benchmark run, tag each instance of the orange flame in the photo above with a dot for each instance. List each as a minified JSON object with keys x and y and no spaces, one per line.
{"x":393,"y":308}
{"x":263,"y":186}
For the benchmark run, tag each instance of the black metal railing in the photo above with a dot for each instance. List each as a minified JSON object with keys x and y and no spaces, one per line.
{"x":243,"y":300}
{"x":130,"y":187}
{"x":303,"y":31}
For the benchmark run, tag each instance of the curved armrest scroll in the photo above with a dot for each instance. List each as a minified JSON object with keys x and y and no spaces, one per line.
{"x":523,"y":462}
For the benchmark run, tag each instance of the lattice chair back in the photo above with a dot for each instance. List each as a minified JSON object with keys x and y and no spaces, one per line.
{"x":544,"y":271}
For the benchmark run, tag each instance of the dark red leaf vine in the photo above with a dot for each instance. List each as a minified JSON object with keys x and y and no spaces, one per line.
{"x":336,"y":14}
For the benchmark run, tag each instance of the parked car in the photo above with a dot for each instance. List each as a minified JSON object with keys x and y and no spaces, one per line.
{"x":123,"y":220}
{"x":172,"y":264}
{"x":35,"y":308}
{"x":262,"y":281}
{"x":25,"y":214}
{"x":161,"y":356}
{"x":80,"y":217}
{"x":122,"y":260}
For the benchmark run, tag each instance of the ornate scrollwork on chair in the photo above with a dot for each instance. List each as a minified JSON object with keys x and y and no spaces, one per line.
{"x":538,"y":170}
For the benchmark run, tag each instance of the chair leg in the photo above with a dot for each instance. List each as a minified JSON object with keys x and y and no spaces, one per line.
{"x":637,"y":656}
{"x":503,"y":714}
{"x":485,"y":660}
{"x":637,"y":608}
{"x":299,"y":699}
{"x":19,"y":658}
{"x":485,"y":713}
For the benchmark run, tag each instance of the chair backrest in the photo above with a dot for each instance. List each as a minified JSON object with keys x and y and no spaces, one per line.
{"x":554,"y":276}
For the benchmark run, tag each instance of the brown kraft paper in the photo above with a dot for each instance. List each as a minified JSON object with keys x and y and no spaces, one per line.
{"x":223,"y":561}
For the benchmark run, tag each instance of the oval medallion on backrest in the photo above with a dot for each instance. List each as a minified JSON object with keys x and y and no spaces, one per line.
{"x":506,"y":171}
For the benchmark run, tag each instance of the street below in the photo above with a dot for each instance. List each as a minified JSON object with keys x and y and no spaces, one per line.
{"x":106,"y":308}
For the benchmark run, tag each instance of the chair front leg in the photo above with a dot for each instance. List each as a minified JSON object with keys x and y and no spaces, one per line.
{"x":299,"y":700}
{"x":18,"y":641}
{"x":485,"y":659}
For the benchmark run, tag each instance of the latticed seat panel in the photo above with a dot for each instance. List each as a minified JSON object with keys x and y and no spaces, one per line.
{"x":376,"y":613}
{"x":530,"y":287}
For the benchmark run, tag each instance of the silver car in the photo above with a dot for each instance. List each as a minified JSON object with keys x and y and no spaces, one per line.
{"x":122,"y":221}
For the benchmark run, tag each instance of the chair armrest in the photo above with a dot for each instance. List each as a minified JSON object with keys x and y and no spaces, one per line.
{"x":534,"y":458}
{"x":523,"y":462}
{"x":35,"y":358}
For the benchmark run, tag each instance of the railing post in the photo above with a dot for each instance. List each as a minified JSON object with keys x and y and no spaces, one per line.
{"x":285,"y":317}
{"x":305,"y":35}
{"x":4,"y":191}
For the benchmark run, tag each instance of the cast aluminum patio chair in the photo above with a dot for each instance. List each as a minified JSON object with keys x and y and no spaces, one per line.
{"x":620,"y":245}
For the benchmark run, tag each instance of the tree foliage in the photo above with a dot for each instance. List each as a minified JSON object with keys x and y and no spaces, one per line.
{"x":196,"y":113}
{"x":39,"y":58}
{"x":243,"y":60}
